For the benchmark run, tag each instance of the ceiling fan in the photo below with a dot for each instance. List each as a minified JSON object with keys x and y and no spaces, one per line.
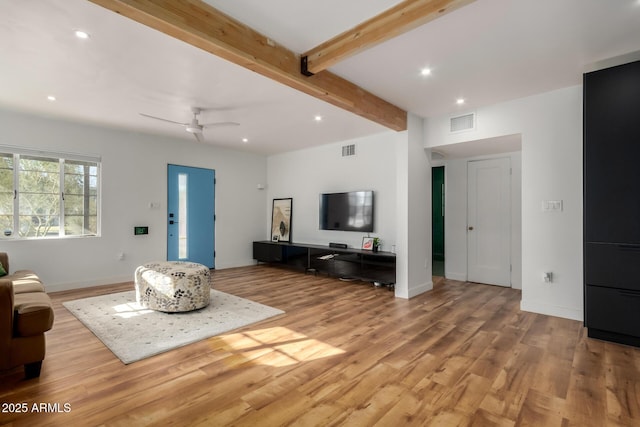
{"x":194,"y":127}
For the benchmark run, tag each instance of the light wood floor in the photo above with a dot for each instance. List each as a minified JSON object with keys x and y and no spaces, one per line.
{"x":345,"y":353}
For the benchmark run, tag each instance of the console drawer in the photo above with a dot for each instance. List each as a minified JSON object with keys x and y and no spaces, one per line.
{"x":267,"y":252}
{"x":613,"y":310}
{"x":612,"y":265}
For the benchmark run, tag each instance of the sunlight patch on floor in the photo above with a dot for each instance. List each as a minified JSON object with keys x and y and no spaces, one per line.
{"x":277,"y":347}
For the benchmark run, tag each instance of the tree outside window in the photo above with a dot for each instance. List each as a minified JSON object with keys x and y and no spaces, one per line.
{"x":80,"y":198}
{"x":38,"y":197}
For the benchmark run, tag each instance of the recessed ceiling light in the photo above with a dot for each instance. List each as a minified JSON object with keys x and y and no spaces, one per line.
{"x":245,"y":140}
{"x":425,"y":71}
{"x":318,"y":118}
{"x":51,"y":98}
{"x":460,"y":101}
{"x":82,"y":34}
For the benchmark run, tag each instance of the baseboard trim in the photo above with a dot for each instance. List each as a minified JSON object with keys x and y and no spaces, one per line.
{"x":59,"y":287}
{"x":552,"y":310}
{"x":456,"y":276}
{"x":415,"y":290}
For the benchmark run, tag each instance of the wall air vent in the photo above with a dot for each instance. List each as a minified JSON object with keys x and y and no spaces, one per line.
{"x":463,"y":123}
{"x":348,"y":150}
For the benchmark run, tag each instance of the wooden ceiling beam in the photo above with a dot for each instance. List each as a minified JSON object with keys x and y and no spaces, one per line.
{"x":200,"y":25}
{"x":401,"y":18}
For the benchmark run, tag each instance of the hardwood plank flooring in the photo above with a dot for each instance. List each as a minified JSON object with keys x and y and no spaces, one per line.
{"x":345,"y":353}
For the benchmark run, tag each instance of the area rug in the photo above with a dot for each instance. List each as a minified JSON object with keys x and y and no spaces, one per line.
{"x":133,"y":333}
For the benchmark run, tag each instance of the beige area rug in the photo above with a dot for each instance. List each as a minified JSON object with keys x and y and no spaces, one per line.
{"x":133,"y":333}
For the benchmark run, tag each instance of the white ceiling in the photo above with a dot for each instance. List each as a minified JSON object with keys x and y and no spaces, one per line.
{"x":487,"y":52}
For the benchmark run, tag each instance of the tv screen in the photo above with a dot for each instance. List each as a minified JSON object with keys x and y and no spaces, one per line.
{"x":352,"y":211}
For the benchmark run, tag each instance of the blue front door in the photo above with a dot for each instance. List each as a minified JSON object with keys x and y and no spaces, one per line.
{"x":190,"y":215}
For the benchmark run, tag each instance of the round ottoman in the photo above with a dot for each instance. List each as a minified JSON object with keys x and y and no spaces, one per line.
{"x":172,"y":286}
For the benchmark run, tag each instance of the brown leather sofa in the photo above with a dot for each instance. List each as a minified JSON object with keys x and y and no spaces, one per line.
{"x":26,"y":314}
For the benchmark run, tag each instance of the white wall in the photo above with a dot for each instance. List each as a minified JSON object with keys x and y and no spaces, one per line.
{"x":305,"y":174}
{"x":455,"y":233}
{"x":414,"y":270}
{"x":395,"y":166}
{"x":551,"y":129}
{"x":133,"y":175}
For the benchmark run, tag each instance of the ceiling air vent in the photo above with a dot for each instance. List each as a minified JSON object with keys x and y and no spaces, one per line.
{"x":462,"y":123}
{"x":348,"y":150}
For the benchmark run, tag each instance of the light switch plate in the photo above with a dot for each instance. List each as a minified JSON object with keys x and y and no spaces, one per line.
{"x":552,"y":206}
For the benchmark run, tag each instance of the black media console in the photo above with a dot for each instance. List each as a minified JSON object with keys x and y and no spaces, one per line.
{"x":377,"y":267}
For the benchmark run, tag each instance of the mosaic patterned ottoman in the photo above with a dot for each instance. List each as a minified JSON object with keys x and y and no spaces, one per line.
{"x":172,"y":286}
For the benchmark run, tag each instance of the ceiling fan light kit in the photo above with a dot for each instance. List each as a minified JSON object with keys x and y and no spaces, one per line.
{"x":193,"y":127}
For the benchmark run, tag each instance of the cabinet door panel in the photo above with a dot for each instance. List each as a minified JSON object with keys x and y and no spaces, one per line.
{"x":611,"y":153}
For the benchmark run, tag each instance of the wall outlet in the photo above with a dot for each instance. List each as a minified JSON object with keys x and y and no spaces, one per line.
{"x":120,"y":256}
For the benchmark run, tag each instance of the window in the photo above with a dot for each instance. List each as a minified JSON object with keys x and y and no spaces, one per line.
{"x":80,"y":198}
{"x":6,"y":193}
{"x":48,"y":195}
{"x":38,"y":196}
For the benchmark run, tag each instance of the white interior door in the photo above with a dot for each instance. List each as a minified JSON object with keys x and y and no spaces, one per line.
{"x":489,"y":221}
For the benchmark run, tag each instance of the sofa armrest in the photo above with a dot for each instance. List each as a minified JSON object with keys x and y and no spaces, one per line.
{"x":4,"y":259}
{"x":6,"y":320}
{"x":33,"y":314}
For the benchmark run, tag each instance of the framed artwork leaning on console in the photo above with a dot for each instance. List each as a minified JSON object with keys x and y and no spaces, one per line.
{"x":281,"y":220}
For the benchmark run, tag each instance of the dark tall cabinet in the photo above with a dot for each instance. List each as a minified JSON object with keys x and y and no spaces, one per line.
{"x":612,"y":203}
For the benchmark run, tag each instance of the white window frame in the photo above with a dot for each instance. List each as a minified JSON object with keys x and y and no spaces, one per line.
{"x":17,"y":153}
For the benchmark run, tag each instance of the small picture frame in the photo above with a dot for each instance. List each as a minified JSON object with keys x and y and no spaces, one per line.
{"x":367,"y":243}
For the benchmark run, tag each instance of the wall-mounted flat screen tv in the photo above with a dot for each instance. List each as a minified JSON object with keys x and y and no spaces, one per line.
{"x":351,"y":211}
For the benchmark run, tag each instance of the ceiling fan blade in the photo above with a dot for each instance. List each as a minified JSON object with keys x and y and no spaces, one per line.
{"x":210,"y":125}
{"x":164,"y":120}
{"x":199,"y":137}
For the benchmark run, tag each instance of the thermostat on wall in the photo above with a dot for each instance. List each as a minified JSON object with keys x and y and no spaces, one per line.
{"x":137,"y":231}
